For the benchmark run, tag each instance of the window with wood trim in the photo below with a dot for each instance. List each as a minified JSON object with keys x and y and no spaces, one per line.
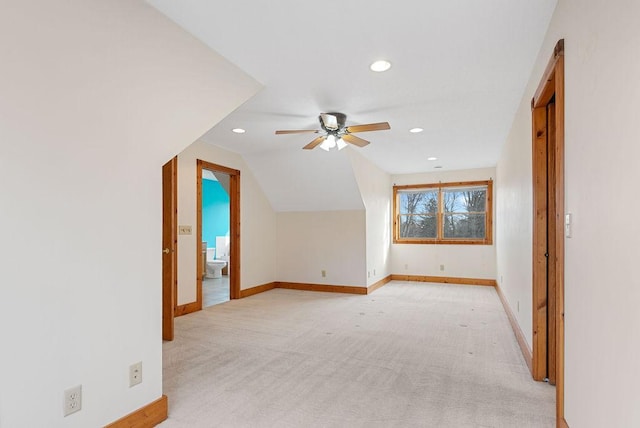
{"x":443,"y":213}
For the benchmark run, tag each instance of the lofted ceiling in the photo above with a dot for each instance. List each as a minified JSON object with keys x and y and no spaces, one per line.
{"x":459,"y":69}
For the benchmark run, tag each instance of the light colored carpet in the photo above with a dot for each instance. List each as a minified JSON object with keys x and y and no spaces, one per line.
{"x":408,"y":355}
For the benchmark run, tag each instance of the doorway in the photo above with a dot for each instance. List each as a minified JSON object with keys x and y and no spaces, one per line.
{"x":547,"y":108}
{"x":215,"y":237}
{"x":221,"y":244}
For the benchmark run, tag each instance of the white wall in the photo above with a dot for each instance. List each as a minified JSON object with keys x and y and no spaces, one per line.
{"x":306,"y":180}
{"x":309,"y":242}
{"x":514,"y":221}
{"x":461,"y":261}
{"x":602,"y":336}
{"x":257,"y":221}
{"x":96,"y":96}
{"x":376,"y":191}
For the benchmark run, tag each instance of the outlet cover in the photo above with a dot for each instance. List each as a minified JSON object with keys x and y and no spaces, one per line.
{"x":135,"y":374}
{"x":324,"y":273}
{"x":72,"y":400}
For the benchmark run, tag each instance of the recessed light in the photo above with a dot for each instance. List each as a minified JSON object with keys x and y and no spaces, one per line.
{"x":416,"y":130}
{"x":432,"y":158}
{"x":380,"y":66}
{"x":238,"y":130}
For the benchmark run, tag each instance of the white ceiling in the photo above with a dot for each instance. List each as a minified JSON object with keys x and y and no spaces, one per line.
{"x":459,"y":68}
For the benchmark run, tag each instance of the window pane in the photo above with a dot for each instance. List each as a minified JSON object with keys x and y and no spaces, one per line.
{"x":470,"y":226}
{"x":418,"y":226}
{"x":422,"y":202}
{"x":465,"y":200}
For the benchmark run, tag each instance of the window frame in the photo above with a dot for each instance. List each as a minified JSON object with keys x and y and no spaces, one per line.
{"x":440,"y":239}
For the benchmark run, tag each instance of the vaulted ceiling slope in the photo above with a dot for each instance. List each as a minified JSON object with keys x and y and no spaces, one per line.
{"x":458,"y":71}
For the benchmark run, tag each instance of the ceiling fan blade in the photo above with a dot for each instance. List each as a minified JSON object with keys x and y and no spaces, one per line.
{"x":369,"y":127}
{"x":314,"y":143}
{"x":297,"y":131}
{"x":356,"y":141}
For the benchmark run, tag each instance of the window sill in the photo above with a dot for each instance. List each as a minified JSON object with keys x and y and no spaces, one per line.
{"x":445,"y":241}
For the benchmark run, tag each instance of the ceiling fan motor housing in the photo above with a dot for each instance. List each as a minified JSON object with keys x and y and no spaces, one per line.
{"x":332,"y":122}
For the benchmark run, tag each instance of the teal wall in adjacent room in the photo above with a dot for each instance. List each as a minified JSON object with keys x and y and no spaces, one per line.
{"x":215,"y":212}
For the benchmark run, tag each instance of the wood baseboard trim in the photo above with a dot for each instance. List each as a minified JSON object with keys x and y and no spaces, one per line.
{"x":445,"y":280}
{"x":522,"y":342}
{"x":314,"y":287}
{"x":375,"y":286}
{"x":187,"y":309}
{"x":348,"y":289}
{"x":257,"y":289}
{"x":322,"y":287}
{"x":148,"y":416}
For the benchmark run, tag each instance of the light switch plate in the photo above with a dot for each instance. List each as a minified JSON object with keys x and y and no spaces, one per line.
{"x":184,"y":230}
{"x":567,"y":225}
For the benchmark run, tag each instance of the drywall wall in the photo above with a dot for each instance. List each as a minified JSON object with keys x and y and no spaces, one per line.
{"x":602,"y":344}
{"x":461,"y":261}
{"x":96,"y":97}
{"x":310,"y":242}
{"x":376,"y":192}
{"x":257,"y":221}
{"x":323,"y":180}
{"x":514,"y":220}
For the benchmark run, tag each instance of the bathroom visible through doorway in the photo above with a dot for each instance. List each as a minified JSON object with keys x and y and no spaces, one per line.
{"x":218,"y":189}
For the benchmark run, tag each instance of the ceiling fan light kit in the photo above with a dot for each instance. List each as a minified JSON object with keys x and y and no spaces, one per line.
{"x":330,"y":142}
{"x":336,"y":134}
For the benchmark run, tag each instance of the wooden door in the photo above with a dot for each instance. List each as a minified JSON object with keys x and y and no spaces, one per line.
{"x":548,"y":228}
{"x":169,"y":246}
{"x":551,"y":242}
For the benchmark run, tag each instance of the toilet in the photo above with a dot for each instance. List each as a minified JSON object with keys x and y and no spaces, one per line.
{"x":214,"y":267}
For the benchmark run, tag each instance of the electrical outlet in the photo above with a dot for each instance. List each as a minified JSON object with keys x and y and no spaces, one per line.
{"x":501,"y":279}
{"x":324,"y":273}
{"x":184,"y":230}
{"x":406,"y":267}
{"x":72,"y":400}
{"x":441,"y":267}
{"x":368,"y":274}
{"x":374,"y":272}
{"x":135,"y":374}
{"x":518,"y":304}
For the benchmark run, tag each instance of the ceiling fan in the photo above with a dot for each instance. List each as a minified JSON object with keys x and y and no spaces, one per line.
{"x":336,"y":134}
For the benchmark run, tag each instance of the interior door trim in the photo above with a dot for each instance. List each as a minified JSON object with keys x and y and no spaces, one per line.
{"x":234,"y":228}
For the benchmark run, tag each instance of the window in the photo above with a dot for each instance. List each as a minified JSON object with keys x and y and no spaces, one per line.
{"x":443,"y":213}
